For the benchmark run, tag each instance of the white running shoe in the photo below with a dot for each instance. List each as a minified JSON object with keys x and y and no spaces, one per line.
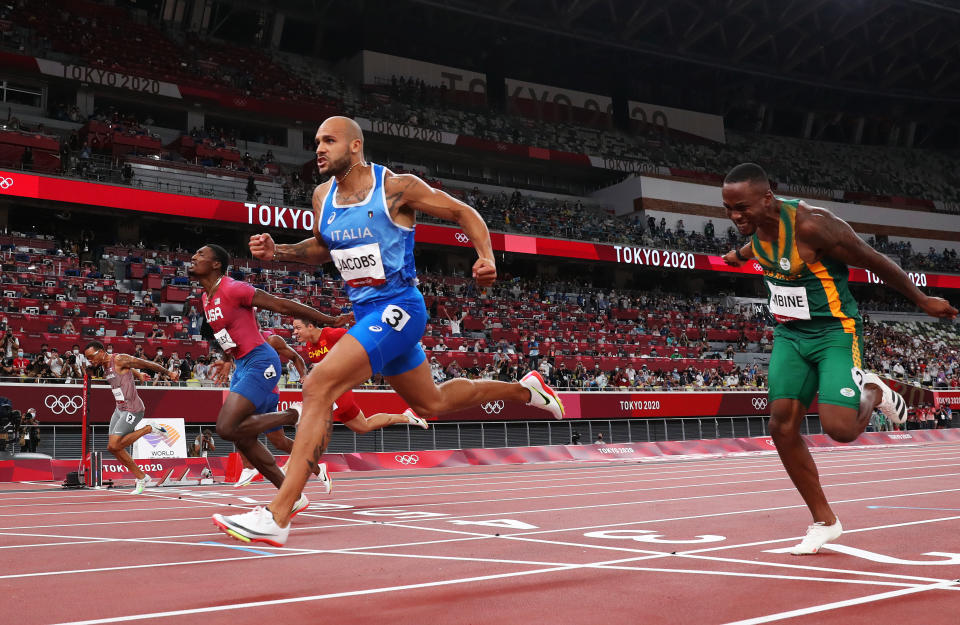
{"x":302,"y":504}
{"x":254,"y":526}
{"x":141,"y":484}
{"x":817,"y":536}
{"x":893,"y":406}
{"x":246,"y":476}
{"x":414,"y":419}
{"x":156,"y":429}
{"x":298,"y":406}
{"x":325,"y":478}
{"x":541,"y":395}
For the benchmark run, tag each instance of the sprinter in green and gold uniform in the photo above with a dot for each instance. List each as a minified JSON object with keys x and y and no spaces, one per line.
{"x":804,"y":252}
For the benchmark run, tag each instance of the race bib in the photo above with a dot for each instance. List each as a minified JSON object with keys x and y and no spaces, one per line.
{"x":788,"y":303}
{"x":117,"y":394}
{"x":360,"y":265}
{"x":395,"y":317}
{"x":224,"y":339}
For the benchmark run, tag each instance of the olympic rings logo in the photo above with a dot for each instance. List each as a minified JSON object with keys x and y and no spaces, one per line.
{"x":461,"y":237}
{"x":407,"y":458}
{"x":759,"y":403}
{"x":493,"y":407}
{"x":6,"y":183}
{"x":63,"y":404}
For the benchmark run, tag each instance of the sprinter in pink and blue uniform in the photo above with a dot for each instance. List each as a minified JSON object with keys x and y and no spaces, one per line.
{"x":364,"y":221}
{"x":248,"y":410}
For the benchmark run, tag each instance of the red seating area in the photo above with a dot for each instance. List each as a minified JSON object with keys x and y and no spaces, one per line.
{"x":116,"y":139}
{"x":109,"y":38}
{"x":648,"y":336}
{"x":45,"y":149}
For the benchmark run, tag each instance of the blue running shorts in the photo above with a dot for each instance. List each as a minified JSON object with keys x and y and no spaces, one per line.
{"x":256,"y":378}
{"x":390,"y":331}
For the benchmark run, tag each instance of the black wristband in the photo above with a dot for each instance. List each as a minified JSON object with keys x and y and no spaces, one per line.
{"x":743,"y":258}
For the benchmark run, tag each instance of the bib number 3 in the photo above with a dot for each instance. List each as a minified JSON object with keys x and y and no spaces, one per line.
{"x":395,"y":317}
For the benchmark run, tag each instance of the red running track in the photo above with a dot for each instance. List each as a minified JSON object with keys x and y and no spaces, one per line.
{"x":692,"y":541}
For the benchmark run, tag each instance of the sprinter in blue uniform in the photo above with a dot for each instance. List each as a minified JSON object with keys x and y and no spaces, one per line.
{"x":364,"y":223}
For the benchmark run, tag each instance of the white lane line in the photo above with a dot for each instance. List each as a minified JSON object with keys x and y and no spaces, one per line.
{"x":579,"y":474}
{"x":678,"y":518}
{"x":584,"y":472}
{"x":841,"y":604}
{"x":540,"y":483}
{"x":208,"y":503}
{"x":448,"y":582}
{"x":777,"y":474}
{"x":791,"y":489}
{"x":582,"y":494}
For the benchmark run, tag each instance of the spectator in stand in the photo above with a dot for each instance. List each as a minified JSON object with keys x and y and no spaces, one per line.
{"x":174,"y":362}
{"x":20,"y":363}
{"x":454,"y":323}
{"x":55,"y":363}
{"x":186,"y":366}
{"x":620,"y":378}
{"x":68,"y":327}
{"x":436,"y":370}
{"x":71,"y":369}
{"x":10,"y":344}
{"x":156,"y":332}
{"x":129,"y":331}
{"x":81,"y":359}
{"x":600,"y":440}
{"x":200,"y":369}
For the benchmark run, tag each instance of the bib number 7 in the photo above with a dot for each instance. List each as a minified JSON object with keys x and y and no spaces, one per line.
{"x":395,"y":317}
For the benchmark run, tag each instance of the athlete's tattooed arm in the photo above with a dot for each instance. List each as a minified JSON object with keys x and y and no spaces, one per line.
{"x":407,"y":194}
{"x":311,"y":251}
{"x":828,"y":235}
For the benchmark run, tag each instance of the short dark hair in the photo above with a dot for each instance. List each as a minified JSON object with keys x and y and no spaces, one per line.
{"x":222,"y":255}
{"x":94,"y":345}
{"x":747,"y":172}
{"x":306,"y":322}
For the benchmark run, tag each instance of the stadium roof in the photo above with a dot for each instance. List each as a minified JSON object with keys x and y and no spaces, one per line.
{"x":892,"y":47}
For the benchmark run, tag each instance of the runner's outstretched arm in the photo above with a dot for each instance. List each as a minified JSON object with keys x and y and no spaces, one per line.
{"x":831,"y":236}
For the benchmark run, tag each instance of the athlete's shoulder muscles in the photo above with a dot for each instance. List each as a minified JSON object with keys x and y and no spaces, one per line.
{"x":409,"y":191}
{"x":319,"y":193}
{"x":831,"y":236}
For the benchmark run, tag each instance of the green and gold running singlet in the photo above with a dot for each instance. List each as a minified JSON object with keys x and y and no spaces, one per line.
{"x":818,"y":339}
